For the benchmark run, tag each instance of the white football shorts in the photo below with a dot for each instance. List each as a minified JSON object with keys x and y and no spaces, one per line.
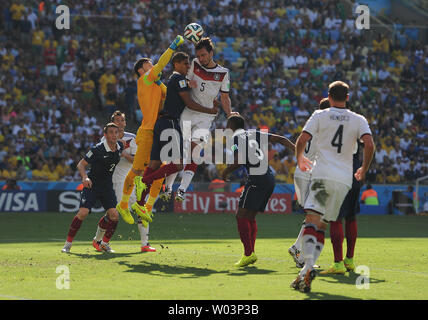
{"x":302,"y":189}
{"x":326,"y":197}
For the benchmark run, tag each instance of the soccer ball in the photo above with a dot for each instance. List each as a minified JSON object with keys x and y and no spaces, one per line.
{"x":193,"y":32}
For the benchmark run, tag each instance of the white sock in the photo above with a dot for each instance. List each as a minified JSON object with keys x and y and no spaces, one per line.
{"x":169,"y":181}
{"x":187,"y":178}
{"x":299,"y":244}
{"x":309,"y":243}
{"x":318,"y":248}
{"x":144,"y":234}
{"x":100,"y":234}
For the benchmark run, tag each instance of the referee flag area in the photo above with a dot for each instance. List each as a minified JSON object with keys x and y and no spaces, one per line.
{"x":195,"y":260}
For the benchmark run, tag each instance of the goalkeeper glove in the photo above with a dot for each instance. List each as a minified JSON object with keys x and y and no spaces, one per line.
{"x":178,"y":41}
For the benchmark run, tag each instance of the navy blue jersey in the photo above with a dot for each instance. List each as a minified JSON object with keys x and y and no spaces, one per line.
{"x":103,"y":161}
{"x":251,"y":146}
{"x":174,"y":105}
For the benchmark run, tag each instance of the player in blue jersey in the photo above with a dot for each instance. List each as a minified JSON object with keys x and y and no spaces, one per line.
{"x":98,"y":184}
{"x":250,"y":150}
{"x":168,"y":124}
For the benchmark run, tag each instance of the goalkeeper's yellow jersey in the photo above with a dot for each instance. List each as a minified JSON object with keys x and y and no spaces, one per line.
{"x":150,"y":95}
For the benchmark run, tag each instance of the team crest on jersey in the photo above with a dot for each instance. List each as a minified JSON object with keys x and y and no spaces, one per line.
{"x":216,"y":77}
{"x":182,"y":83}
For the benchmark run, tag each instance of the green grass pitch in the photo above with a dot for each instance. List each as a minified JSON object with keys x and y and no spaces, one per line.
{"x":195,"y":257}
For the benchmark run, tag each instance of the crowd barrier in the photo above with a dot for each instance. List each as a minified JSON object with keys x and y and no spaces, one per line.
{"x":63,"y":197}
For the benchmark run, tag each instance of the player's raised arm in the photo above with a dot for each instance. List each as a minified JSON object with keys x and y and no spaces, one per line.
{"x":282,"y":140}
{"x":165,"y":57}
{"x":185,"y":95}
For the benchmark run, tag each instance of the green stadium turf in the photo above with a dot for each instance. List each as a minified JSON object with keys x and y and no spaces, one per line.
{"x":195,"y":259}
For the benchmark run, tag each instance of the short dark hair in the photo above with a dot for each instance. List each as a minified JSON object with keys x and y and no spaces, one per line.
{"x":139,"y":64}
{"x":110,"y":125}
{"x":205,"y":43}
{"x":115,"y":114}
{"x":179,"y":57}
{"x":236,"y":122}
{"x":338,"y":90}
{"x":324,"y":104}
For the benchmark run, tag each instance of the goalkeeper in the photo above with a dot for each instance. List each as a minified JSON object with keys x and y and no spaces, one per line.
{"x":151,"y":93}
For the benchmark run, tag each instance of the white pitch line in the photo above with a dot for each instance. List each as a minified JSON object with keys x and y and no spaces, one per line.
{"x":13,"y":297}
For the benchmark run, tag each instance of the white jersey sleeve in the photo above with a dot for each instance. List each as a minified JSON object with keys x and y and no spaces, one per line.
{"x":225,"y":85}
{"x":312,"y":124}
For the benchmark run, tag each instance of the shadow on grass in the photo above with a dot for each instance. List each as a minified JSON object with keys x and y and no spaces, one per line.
{"x":349,"y":278}
{"x":157,"y":269}
{"x":103,"y":255}
{"x":326,"y":296}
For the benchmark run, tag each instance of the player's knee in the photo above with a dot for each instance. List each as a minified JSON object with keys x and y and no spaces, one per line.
{"x":113,"y":215}
{"x":137,"y":172}
{"x":83,"y":213}
{"x":312,"y":217}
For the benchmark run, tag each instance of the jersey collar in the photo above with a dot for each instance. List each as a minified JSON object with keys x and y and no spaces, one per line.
{"x":108,"y":147}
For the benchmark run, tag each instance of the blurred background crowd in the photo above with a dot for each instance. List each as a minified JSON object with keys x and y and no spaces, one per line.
{"x":59,"y":87}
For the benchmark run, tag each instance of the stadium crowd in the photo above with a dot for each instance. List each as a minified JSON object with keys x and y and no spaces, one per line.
{"x":58,"y":87}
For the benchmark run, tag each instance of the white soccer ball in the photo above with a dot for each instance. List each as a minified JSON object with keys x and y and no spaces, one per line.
{"x":193,"y":32}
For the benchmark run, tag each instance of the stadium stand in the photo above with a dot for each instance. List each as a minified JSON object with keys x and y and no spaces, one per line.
{"x":57,"y":87}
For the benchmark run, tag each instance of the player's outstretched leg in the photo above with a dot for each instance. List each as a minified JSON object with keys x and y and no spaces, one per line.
{"x":245,"y":229}
{"x":336,"y":236}
{"x":113,"y":216}
{"x":307,"y":274}
{"x":143,"y":185}
{"x":101,"y":229}
{"x":165,"y":195}
{"x":296,"y":249}
{"x":188,"y":174}
{"x":351,"y":239}
{"x":143,"y":228}
{"x":74,"y":227}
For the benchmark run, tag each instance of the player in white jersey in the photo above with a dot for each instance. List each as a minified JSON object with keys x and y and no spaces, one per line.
{"x":336,"y":129}
{"x":207,"y":79}
{"x":119,"y":176}
{"x":301,"y":185}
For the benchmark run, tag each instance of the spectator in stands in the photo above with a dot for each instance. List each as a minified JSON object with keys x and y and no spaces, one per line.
{"x":369,"y":196}
{"x":11,"y":184}
{"x":217,"y":185}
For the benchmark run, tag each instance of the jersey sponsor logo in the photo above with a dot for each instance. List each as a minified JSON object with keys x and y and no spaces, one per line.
{"x":208,"y":75}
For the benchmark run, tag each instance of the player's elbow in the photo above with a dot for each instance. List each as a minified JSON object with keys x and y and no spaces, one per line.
{"x":368,"y":142}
